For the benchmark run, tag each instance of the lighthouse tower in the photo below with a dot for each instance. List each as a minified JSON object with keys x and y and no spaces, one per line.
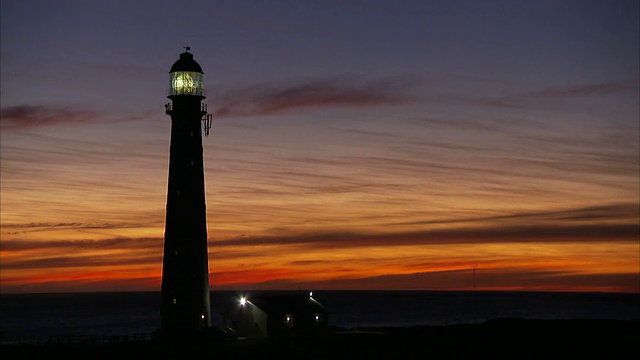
{"x":185,"y":308}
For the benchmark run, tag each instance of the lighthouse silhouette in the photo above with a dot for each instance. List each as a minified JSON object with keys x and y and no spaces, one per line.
{"x":185,"y":305}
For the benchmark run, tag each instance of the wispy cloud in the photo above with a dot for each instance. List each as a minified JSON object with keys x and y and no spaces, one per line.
{"x":18,"y":228}
{"x":83,"y":261}
{"x":559,"y":93}
{"x":592,"y":224}
{"x":509,"y":234}
{"x":267,"y":99}
{"x":615,"y":212}
{"x":25,"y":116}
{"x":30,"y":116}
{"x":489,"y":279}
{"x":86,"y":245}
{"x":617,"y":222}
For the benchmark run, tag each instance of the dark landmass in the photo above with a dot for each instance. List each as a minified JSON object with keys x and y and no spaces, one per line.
{"x":501,"y":338}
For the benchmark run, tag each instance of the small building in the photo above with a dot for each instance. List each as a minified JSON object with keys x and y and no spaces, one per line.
{"x":277,"y":315}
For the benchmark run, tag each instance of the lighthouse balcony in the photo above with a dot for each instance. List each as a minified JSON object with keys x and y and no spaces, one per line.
{"x":168,"y":108}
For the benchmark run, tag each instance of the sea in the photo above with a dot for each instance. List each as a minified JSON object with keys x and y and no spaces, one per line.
{"x":36,"y":318}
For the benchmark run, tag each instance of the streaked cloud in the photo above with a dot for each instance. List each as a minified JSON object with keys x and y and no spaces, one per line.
{"x":487,"y":279}
{"x":505,"y":235}
{"x":554,"y":94}
{"x":87,"y":260}
{"x":267,"y":99}
{"x":593,"y":214}
{"x":34,"y":116}
{"x":563,"y":92}
{"x":590,"y":224}
{"x":26,"y":116}
{"x":85,"y":245}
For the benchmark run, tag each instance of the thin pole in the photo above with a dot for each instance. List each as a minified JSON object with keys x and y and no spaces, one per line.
{"x":475,"y":307}
{"x":474,"y":276}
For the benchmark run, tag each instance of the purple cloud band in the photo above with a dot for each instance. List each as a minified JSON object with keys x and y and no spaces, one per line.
{"x":265,"y":99}
{"x":26,"y":116}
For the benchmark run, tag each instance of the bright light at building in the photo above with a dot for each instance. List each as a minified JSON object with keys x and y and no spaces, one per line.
{"x":243,"y":301}
{"x":202,"y":316}
{"x":310,"y":293}
{"x":317,"y":317}
{"x":288,"y":320}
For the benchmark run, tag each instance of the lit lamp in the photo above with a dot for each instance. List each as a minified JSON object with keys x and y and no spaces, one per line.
{"x":186,"y":83}
{"x":186,"y":80}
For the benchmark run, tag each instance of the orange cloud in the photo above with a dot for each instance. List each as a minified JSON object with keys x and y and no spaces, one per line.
{"x":507,"y":235}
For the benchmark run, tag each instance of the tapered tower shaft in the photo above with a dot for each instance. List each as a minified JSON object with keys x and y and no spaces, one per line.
{"x":185,"y":304}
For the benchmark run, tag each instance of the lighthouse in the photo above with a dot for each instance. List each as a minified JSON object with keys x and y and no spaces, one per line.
{"x":185,"y":305}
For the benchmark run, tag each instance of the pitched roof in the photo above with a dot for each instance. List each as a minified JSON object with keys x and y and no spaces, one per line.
{"x":287,"y":303}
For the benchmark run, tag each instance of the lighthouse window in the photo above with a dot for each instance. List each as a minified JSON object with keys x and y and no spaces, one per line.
{"x":192,"y":134}
{"x":176,"y":252}
{"x":175,"y":300}
{"x":178,"y":192}
{"x":288,"y":320}
{"x":191,"y":162}
{"x":186,"y":83}
{"x":183,"y":83}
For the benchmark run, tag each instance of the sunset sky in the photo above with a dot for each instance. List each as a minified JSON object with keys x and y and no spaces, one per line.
{"x":355,"y":144}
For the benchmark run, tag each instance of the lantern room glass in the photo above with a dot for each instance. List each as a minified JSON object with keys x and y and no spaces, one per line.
{"x":186,"y":83}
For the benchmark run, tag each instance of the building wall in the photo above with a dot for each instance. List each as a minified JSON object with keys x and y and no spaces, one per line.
{"x":246,"y":320}
{"x":249,"y":320}
{"x":302,"y":322}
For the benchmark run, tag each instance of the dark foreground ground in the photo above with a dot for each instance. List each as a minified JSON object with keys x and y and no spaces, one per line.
{"x":501,"y":338}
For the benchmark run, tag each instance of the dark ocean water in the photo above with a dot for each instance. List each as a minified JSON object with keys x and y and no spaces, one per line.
{"x":27,"y":318}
